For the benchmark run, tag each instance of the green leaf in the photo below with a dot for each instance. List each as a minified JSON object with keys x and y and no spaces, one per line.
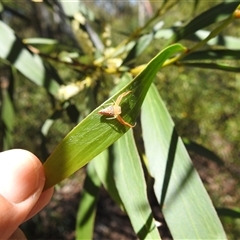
{"x":70,"y":9}
{"x":94,"y":134}
{"x":103,"y":166}
{"x":213,"y":15}
{"x":87,"y":208}
{"x":185,"y":204}
{"x":192,"y":60}
{"x":216,"y":66}
{"x":227,"y":212}
{"x":130,"y":182}
{"x":1,"y":7}
{"x":44,"y":41}
{"x":49,"y":122}
{"x":77,"y":9}
{"x":140,"y":45}
{"x":220,"y":40}
{"x":220,"y":54}
{"x":7,"y":114}
{"x":30,"y":65}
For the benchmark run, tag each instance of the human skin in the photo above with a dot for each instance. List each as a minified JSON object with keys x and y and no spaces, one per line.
{"x":21,"y":183}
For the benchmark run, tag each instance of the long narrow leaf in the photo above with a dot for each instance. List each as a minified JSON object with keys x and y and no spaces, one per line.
{"x":211,"y":66}
{"x":140,"y":45}
{"x":103,"y":167}
{"x":220,"y":40}
{"x":87,"y":208}
{"x":227,"y":212}
{"x":212,"y":15}
{"x":45,"y":41}
{"x":131,"y":186}
{"x":185,"y":203}
{"x":30,"y":65}
{"x":7,"y":118}
{"x":213,"y":55}
{"x":94,"y":134}
{"x":229,"y":42}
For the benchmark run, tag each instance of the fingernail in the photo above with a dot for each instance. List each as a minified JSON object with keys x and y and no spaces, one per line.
{"x":20,"y":175}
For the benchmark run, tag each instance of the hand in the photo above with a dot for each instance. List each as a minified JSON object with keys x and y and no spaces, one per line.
{"x":21,"y":183}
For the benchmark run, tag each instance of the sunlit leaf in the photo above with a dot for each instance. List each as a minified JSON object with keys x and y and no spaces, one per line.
{"x":103,"y":167}
{"x":130,"y":182}
{"x":140,"y":45}
{"x":229,"y":42}
{"x":185,"y":204}
{"x":29,"y":64}
{"x":213,"y":15}
{"x":87,"y":208}
{"x":39,"y":41}
{"x":95,"y":133}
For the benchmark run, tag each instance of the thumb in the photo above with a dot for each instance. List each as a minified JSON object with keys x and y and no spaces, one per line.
{"x":21,"y":183}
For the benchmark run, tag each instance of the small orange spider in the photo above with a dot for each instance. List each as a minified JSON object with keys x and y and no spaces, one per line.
{"x":115,"y":110}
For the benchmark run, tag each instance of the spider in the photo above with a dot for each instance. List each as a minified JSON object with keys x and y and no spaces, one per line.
{"x":115,"y":110}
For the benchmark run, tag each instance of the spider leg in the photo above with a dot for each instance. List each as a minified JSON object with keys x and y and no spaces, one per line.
{"x":122,"y":121}
{"x":119,"y":99}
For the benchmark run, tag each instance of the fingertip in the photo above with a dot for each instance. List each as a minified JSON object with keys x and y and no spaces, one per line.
{"x":23,"y":169}
{"x":21,"y":183}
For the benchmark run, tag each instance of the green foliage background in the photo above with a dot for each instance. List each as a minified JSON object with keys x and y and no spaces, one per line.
{"x":93,"y":50}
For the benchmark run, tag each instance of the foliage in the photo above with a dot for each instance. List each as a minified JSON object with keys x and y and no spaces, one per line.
{"x":89,"y":57}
